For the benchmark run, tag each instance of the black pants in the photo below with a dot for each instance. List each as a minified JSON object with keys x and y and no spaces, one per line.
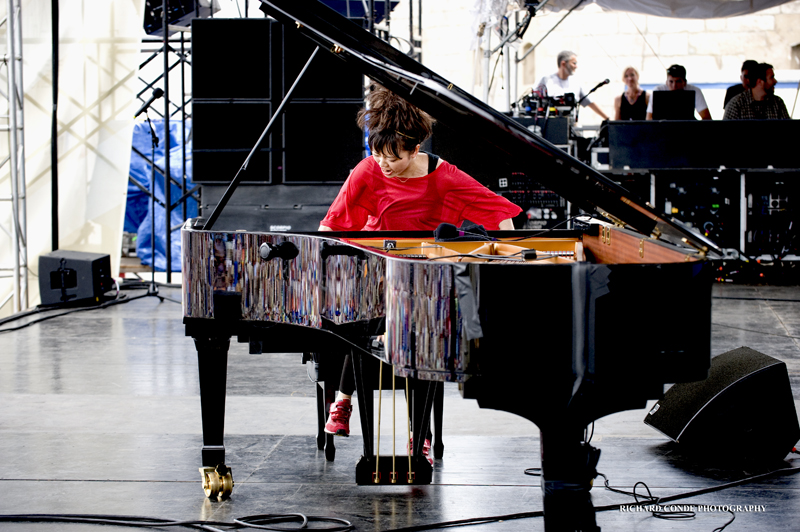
{"x":347,"y":384}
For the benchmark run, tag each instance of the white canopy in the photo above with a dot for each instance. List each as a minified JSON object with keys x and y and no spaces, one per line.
{"x":700,"y":9}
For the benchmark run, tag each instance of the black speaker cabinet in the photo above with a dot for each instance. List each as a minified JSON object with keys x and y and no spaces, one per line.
{"x":743,"y":411}
{"x":67,"y":277}
{"x":241,"y":71}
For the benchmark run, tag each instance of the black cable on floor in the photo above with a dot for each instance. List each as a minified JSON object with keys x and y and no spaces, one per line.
{"x":260,"y":522}
{"x":152,"y":289}
{"x":651,"y":500}
{"x":757,"y":299}
{"x":121,"y":299}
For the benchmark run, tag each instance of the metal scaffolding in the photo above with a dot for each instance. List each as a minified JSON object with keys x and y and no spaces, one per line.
{"x":14,"y":161}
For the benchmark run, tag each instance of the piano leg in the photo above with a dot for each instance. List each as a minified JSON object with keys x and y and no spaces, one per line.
{"x":365,"y":408}
{"x":568,"y":470}
{"x":212,"y":362}
{"x":325,"y":388}
{"x":438,"y":407}
{"x":422,"y":397}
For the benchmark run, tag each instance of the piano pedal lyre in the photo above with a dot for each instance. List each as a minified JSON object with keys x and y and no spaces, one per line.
{"x":376,"y":476}
{"x":217,"y":481}
{"x":402,"y":469}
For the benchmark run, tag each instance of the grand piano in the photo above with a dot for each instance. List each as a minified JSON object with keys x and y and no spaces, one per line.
{"x":560,"y":328}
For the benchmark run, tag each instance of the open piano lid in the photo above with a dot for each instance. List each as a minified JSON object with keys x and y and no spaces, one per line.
{"x":505,"y":139}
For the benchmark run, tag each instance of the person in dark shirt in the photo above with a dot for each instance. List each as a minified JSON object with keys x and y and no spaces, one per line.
{"x":758,"y":102}
{"x":632,"y":104}
{"x":735,"y":90}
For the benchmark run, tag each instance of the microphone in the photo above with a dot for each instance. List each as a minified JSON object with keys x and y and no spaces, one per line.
{"x":445,"y":232}
{"x":157,"y":93}
{"x":604,"y":82}
{"x":285,"y":250}
{"x":467,"y":232}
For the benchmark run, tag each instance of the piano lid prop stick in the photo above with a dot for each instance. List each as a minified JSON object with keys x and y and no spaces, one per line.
{"x":394,"y":436}
{"x":408,"y":423}
{"x":376,"y":478}
{"x":239,"y":175}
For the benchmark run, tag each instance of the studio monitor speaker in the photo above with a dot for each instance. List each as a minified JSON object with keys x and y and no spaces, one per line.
{"x":67,"y":277}
{"x":743,"y":411}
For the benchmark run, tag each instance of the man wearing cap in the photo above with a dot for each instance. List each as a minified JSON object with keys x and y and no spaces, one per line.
{"x":561,"y":82}
{"x":676,"y":81}
{"x":758,"y":102}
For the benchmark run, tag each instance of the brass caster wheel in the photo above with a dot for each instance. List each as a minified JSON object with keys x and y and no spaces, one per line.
{"x":217,"y":481}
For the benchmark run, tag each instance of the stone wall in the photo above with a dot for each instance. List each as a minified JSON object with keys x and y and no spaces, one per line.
{"x":606,"y":42}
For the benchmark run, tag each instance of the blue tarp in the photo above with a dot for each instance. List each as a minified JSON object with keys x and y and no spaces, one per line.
{"x":138,"y":208}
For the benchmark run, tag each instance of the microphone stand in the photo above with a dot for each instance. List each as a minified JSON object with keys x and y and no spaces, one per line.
{"x":152,"y":289}
{"x":605,"y":82}
{"x":578,"y":105}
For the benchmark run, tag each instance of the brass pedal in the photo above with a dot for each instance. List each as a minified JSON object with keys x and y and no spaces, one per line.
{"x":421,"y":471}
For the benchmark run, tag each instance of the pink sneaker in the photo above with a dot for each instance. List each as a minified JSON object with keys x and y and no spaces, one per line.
{"x":339,"y":418}
{"x":426,"y":449}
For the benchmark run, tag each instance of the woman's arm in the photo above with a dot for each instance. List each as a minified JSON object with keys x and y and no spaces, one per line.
{"x":618,"y":108}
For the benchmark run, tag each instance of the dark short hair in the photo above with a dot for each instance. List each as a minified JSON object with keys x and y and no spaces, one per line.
{"x":677,"y":71}
{"x":758,"y":72}
{"x":394,"y":124}
{"x":747,"y":65}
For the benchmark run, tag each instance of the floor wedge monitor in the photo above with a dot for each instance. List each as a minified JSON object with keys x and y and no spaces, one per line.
{"x":68,"y":277}
{"x":744,"y":411}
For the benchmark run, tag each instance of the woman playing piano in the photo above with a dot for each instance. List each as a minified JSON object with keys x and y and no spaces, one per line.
{"x":401,"y":188}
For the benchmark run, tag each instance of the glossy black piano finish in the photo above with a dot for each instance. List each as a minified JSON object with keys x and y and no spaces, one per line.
{"x":597,"y":322}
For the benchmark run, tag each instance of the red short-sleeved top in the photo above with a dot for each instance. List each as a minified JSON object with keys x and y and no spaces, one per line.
{"x":370,"y":201}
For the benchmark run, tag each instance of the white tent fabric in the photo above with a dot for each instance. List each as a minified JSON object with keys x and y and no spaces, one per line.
{"x":699,"y":9}
{"x":100,"y":43}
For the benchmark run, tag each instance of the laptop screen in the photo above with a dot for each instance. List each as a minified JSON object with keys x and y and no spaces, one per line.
{"x":673,"y":105}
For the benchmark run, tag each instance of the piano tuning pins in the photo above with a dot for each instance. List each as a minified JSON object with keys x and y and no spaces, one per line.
{"x":337,"y":49}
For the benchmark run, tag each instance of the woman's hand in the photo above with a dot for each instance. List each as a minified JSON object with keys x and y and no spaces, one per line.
{"x":507,"y":225}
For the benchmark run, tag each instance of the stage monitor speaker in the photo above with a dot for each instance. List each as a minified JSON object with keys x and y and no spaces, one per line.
{"x":67,"y":277}
{"x":224,"y":133}
{"x":322,"y":142}
{"x":232,"y":58}
{"x":743,"y":412}
{"x":328,"y":77}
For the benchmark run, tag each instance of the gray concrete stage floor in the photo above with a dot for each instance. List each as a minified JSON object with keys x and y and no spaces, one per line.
{"x":101,"y":414}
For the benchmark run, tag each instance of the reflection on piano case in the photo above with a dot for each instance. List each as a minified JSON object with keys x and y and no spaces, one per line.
{"x":594,"y":323}
{"x":560,"y":328}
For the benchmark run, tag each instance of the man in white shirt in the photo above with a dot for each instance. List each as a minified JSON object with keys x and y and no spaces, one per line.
{"x":676,"y":81}
{"x":559,"y":83}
